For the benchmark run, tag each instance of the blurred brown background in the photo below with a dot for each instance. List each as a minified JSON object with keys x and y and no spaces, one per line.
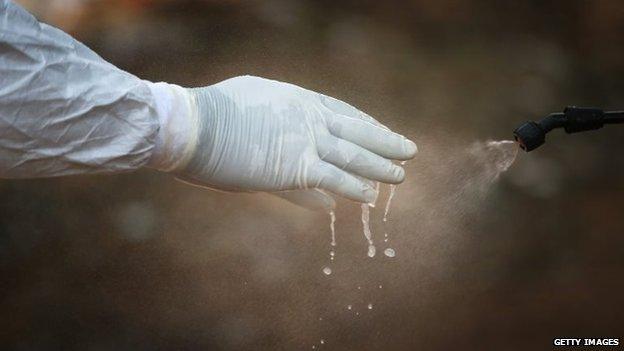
{"x":142,"y":262}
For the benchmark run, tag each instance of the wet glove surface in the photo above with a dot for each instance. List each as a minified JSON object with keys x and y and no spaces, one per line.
{"x":255,"y":134}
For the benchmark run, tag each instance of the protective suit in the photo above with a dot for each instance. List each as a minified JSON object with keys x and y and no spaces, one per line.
{"x":64,"y":110}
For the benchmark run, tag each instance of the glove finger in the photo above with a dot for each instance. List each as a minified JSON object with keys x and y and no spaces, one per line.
{"x":372,"y":137}
{"x":342,"y":108}
{"x":357,"y":160}
{"x":312,"y":199}
{"x":329,"y":177}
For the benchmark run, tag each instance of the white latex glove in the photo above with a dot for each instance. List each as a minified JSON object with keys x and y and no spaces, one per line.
{"x":253,"y":134}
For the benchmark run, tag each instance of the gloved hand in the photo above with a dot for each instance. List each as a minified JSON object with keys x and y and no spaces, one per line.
{"x":253,"y":134}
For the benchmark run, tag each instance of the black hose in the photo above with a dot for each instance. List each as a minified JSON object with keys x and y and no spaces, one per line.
{"x":613,"y":117}
{"x":552,"y":121}
{"x":531,"y":135}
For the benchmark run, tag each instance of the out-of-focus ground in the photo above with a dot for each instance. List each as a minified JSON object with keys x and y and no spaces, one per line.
{"x":142,"y":262}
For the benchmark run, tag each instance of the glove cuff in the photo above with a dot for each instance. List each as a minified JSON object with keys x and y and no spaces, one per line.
{"x":177,"y":137}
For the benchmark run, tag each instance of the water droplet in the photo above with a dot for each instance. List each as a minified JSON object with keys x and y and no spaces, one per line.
{"x":332,"y":215}
{"x":332,"y":223}
{"x":389,"y":202}
{"x":349,"y":307}
{"x":367,"y":231}
{"x":371,"y":251}
{"x":389,"y":252}
{"x":380,"y":286}
{"x":322,"y":342}
{"x":370,"y":306}
{"x":387,"y":208}
{"x":327,"y":271}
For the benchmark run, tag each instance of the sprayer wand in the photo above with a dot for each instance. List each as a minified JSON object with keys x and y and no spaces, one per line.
{"x":530,"y":135}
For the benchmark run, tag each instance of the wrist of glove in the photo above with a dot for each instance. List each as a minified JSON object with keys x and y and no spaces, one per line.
{"x":176,"y":140}
{"x":254,"y":134}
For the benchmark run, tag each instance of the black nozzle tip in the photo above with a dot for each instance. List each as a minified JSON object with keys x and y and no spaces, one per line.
{"x":529,"y":136}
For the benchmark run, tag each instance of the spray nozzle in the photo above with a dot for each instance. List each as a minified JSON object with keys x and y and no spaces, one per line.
{"x":531,"y":135}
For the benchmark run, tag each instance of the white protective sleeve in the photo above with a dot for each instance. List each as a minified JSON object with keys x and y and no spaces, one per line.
{"x":63,"y":109}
